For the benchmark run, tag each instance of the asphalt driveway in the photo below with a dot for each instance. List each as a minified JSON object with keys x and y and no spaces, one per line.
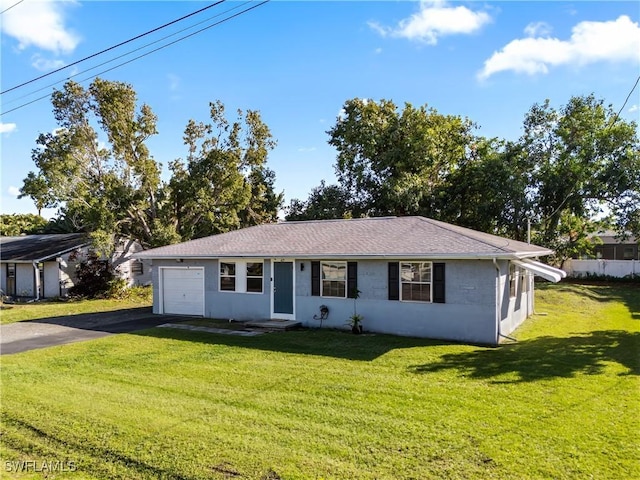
{"x":47,"y":332}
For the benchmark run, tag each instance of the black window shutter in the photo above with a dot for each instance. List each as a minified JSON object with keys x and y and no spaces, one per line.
{"x":438,"y":283}
{"x":394,"y":281}
{"x":315,"y":279}
{"x":352,"y":279}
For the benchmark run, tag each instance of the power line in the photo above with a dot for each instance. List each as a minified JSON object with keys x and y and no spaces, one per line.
{"x":147,"y":53}
{"x":112,"y":47}
{"x":9,"y":8}
{"x":15,"y":100}
{"x":615,"y":119}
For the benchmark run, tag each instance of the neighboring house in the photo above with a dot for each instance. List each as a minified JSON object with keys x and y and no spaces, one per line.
{"x":615,"y":248}
{"x":416,"y":277}
{"x":135,"y":271}
{"x":614,"y":257}
{"x":38,"y":266}
{"x":43,"y":266}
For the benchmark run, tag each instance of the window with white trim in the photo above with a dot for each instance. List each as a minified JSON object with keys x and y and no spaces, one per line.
{"x":415,"y":281}
{"x":334,"y":279}
{"x":241,"y":276}
{"x":254,"y":277}
{"x":228,"y":276}
{"x":513,"y":280}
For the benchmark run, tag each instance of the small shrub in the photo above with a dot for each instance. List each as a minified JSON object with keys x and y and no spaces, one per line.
{"x":117,"y":288}
{"x":94,"y":277}
{"x":594,"y":277}
{"x":140,"y":293}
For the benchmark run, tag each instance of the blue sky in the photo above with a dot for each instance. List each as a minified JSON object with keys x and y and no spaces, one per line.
{"x":298,"y":62}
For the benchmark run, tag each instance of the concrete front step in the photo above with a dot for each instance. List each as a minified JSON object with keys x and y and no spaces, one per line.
{"x":274,"y":324}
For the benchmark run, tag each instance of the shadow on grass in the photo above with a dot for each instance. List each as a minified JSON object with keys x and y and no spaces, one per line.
{"x":327,"y":343}
{"x":545,"y":357}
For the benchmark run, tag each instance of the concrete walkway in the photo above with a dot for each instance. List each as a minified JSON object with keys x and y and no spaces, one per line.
{"x":223,"y":331}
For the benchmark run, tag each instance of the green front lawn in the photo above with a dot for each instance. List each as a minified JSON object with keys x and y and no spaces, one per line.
{"x":563,"y":402}
{"x":19,"y":312}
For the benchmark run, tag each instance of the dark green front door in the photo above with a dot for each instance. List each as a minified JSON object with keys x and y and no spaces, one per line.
{"x":283,"y":288}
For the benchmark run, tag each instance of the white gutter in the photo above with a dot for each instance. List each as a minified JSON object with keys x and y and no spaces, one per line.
{"x":327,"y":256}
{"x":545,"y":271}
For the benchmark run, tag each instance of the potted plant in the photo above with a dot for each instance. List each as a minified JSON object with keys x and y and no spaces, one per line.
{"x":355,"y":320}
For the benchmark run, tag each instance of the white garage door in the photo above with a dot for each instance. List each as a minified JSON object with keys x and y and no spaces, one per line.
{"x":183,"y":291}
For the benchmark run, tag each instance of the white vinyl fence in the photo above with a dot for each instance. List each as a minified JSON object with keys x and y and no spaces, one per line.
{"x":612,"y":268}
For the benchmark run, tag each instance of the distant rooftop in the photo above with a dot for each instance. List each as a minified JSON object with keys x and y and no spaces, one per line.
{"x":612,"y":237}
{"x":29,"y":248}
{"x":368,"y":237}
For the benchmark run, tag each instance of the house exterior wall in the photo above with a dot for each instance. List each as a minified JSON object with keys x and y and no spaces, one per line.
{"x":3,"y":277}
{"x":225,"y":305}
{"x":514,"y":310}
{"x":67,"y":273}
{"x":24,"y":280}
{"x":51,"y":287}
{"x":122,"y":263}
{"x":469,"y":313}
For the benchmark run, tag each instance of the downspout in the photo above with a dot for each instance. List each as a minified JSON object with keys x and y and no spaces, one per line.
{"x":36,"y":279}
{"x":498,"y":300}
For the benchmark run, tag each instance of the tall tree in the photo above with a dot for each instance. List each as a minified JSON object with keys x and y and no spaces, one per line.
{"x":224,"y":183}
{"x":391,"y":161}
{"x":109,"y":189}
{"x":325,"y":202}
{"x":489,"y":190}
{"x":586,"y":162}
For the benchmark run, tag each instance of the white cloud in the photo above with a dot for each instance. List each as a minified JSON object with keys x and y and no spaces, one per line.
{"x":377,"y":51}
{"x":8,"y":127}
{"x":634,"y":108}
{"x":174,"y":81}
{"x":590,"y":42}
{"x":45,"y":64}
{"x":40,"y":24}
{"x":13,"y":191}
{"x":434,"y":20}
{"x":538,"y":29}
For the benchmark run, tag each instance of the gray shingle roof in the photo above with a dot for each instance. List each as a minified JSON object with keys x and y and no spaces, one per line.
{"x":400,"y":237}
{"x":28,"y":248}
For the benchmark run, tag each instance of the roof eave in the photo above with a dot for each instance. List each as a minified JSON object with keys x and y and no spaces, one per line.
{"x":391,"y":256}
{"x":47,"y":257}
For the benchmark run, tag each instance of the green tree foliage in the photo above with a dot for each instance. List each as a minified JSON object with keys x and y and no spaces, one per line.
{"x":325,"y":202}
{"x":106,"y":189}
{"x":224,"y":183}
{"x":97,"y":169}
{"x":391,"y":161}
{"x":21,"y":224}
{"x":570,"y":166}
{"x":585,"y":161}
{"x":488,"y":190}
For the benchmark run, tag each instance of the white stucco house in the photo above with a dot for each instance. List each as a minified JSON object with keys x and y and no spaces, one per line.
{"x":43,"y":266}
{"x":416,"y":277}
